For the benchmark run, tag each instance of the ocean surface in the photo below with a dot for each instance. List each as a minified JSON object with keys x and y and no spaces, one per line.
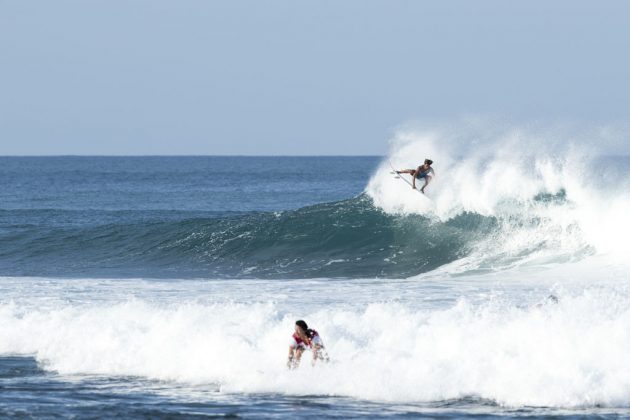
{"x":166,"y":287}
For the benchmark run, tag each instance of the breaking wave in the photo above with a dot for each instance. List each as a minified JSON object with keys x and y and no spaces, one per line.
{"x":499,"y":199}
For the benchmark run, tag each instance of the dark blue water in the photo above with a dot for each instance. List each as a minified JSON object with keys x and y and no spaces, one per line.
{"x":181,"y":186}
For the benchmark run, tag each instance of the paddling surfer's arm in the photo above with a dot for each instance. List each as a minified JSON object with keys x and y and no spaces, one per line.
{"x":295,"y":354}
{"x":290,"y":359}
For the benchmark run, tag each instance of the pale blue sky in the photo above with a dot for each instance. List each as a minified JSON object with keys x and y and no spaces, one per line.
{"x":296,"y":77}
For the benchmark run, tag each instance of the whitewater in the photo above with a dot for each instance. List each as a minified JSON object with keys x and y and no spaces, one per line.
{"x":168,"y":286}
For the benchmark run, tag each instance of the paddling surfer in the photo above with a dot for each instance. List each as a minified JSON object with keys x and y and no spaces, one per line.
{"x":303,"y":338}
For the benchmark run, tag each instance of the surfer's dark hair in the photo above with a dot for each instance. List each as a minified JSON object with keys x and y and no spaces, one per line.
{"x":302,"y":325}
{"x":428,"y":161}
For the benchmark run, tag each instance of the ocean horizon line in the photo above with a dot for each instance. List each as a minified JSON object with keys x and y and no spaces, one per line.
{"x":183,"y":155}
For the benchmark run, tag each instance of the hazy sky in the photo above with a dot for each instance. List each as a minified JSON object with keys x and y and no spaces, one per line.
{"x":296,"y":77}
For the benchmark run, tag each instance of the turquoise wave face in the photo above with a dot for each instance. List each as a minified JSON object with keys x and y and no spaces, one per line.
{"x":344,"y":239}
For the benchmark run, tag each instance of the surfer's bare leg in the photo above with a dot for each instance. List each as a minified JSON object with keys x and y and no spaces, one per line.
{"x":427,"y":179}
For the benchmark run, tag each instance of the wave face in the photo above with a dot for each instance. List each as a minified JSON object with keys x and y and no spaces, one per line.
{"x":349,"y":238}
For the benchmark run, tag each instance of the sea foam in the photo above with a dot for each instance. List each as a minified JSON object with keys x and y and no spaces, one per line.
{"x":569,"y":352}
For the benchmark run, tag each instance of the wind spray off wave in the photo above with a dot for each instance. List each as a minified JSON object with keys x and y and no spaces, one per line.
{"x":551,"y":200}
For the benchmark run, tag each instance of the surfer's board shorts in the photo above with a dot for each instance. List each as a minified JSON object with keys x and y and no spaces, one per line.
{"x":315,"y":340}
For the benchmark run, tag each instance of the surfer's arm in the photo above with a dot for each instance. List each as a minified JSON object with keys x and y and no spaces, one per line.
{"x":315,"y":351}
{"x":291,"y":357}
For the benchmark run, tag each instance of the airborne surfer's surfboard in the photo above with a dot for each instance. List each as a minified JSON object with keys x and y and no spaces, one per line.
{"x":403,"y":178}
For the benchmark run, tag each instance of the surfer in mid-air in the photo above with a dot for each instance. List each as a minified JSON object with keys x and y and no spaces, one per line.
{"x":303,"y":338}
{"x":424,"y":171}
